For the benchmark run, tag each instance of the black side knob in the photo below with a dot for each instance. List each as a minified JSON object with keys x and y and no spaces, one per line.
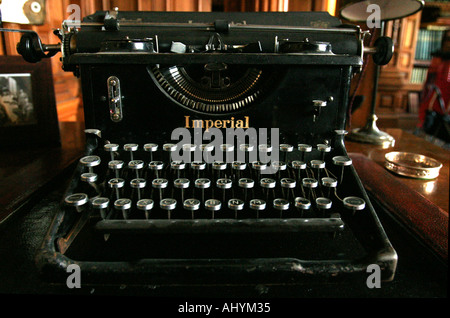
{"x":385,"y":50}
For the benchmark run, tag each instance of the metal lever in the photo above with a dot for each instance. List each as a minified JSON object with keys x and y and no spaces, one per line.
{"x":31,"y":47}
{"x":115,"y":99}
{"x":318,"y":104}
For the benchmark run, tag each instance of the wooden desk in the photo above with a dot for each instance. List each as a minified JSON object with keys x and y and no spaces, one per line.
{"x":27,"y":172}
{"x":421,"y":205}
{"x":437,"y":190}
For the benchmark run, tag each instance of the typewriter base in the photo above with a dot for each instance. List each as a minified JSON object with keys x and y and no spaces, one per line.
{"x":20,"y":276}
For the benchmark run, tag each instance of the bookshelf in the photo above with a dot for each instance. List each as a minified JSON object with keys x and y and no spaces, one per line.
{"x":429,"y":41}
{"x":416,"y":38}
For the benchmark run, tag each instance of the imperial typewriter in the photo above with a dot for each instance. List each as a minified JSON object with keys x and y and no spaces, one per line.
{"x":214,"y":152}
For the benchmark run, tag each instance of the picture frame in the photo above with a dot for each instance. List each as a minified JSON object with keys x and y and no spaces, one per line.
{"x":28,"y":115}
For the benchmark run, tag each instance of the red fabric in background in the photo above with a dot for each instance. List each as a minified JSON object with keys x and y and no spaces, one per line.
{"x":439,"y":75}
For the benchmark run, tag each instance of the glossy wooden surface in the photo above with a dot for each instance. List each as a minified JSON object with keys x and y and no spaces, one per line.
{"x":437,"y":190}
{"x":25,"y":173}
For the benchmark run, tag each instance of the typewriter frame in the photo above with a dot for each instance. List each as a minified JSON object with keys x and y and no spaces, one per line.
{"x":53,"y":262}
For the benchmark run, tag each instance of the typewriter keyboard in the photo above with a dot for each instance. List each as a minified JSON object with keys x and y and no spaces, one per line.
{"x":142,"y":182}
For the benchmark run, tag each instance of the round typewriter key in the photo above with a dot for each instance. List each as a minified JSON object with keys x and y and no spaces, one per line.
{"x":257,"y":205}
{"x":198,"y":166}
{"x":89,"y":177}
{"x":343,"y":162}
{"x":76,"y":200}
{"x":304,"y":148}
{"x":178,"y":166}
{"x":317,"y":164}
{"x":281,"y":205}
{"x":285,"y":148}
{"x":323,"y":148}
{"x":224,"y":184}
{"x":116,"y":183}
{"x":309,"y":183}
{"x":235,"y":205}
{"x":151,"y":148}
{"x":169,"y":148}
{"x":111,"y":148}
{"x":265,"y":148}
{"x":160,"y":184}
{"x":298,"y":166}
{"x":354,"y":203}
{"x":136,"y":165}
{"x":213,"y":205}
{"x":207,"y":147}
{"x":218,"y":166}
{"x":329,"y":183}
{"x":278,"y":167}
{"x":246,"y":148}
{"x":286,"y":184}
{"x":268,"y":183}
{"x":227,"y":147}
{"x":101,"y":204}
{"x":156,"y":166}
{"x":302,"y":203}
{"x":130,"y":148}
{"x":203,"y":183}
{"x":323,"y":204}
{"x":124,"y":205}
{"x":189,"y":147}
{"x":246,"y":183}
{"x":90,"y":162}
{"x":181,"y":183}
{"x":138,"y":184}
{"x":168,"y":205}
{"x":115,"y":165}
{"x":145,"y":205}
{"x":238,"y":165}
{"x":191,"y":205}
{"x":258,"y":166}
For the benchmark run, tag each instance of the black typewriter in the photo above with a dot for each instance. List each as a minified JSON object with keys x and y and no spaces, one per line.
{"x":214,"y":151}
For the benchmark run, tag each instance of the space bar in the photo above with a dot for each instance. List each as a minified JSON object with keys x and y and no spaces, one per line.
{"x":331,"y":224}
